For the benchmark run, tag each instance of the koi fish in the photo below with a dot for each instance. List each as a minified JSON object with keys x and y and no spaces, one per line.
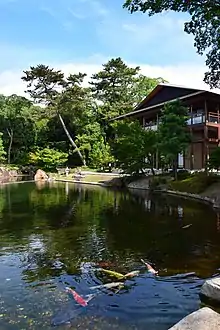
{"x":187,"y":226}
{"x":133,"y":273}
{"x":149,"y":268}
{"x":107,"y":285}
{"x":65,"y":316}
{"x":80,"y":300}
{"x":112,"y":273}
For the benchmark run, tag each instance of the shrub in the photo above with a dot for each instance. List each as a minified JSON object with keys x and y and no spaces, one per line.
{"x":195,"y":183}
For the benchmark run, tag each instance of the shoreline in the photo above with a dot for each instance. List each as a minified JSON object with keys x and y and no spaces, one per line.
{"x":203,"y":199}
{"x":197,"y":197}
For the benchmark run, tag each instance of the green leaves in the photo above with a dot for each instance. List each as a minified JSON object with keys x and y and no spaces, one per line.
{"x":48,"y":158}
{"x":214,"y":159}
{"x":2,"y":150}
{"x":173,"y":135}
{"x":133,"y":147}
{"x":204,"y":25}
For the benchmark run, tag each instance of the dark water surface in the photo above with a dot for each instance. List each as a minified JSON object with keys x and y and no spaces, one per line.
{"x":53,"y":235}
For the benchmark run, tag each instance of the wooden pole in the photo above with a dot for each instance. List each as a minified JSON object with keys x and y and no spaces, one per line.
{"x":157,"y":152}
{"x":191,"y":145}
{"x":205,"y":137}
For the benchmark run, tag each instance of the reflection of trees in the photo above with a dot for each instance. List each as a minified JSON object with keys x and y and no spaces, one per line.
{"x":81,"y":224}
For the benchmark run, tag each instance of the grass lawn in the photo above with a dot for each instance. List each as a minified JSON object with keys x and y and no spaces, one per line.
{"x":87,"y":178}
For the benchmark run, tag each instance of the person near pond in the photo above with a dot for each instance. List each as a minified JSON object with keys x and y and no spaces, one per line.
{"x":67,"y":170}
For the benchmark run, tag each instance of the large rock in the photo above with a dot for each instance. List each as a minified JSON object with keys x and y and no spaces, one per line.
{"x":211,"y":289}
{"x":40,"y":176}
{"x":203,"y":319}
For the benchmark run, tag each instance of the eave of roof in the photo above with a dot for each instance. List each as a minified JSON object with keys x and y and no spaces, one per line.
{"x":158,"y":105}
{"x":158,"y":88}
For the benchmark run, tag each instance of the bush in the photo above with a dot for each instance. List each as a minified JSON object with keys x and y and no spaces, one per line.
{"x":157,"y":181}
{"x":195,"y":183}
{"x":48,"y":159}
{"x":183,"y":174}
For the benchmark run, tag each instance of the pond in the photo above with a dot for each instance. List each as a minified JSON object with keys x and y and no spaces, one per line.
{"x":58,"y":235}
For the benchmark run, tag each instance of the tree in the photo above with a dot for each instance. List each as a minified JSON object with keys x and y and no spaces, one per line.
{"x":2,"y":151}
{"x":47,"y":86}
{"x":48,"y":158}
{"x":173,"y":135}
{"x":204,"y":25}
{"x":113,"y":84}
{"x":17,"y":126}
{"x":133,"y":147}
{"x":214,"y":159}
{"x":93,"y":145}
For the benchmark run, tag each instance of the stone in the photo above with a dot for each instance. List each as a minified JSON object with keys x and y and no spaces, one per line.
{"x":211,"y":288}
{"x":203,"y":319}
{"x":40,"y":175}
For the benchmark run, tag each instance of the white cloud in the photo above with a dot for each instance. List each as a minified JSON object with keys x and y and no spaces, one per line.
{"x":184,"y":75}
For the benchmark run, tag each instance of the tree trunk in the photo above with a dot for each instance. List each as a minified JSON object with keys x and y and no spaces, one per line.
{"x":175,"y":164}
{"x":70,"y":139}
{"x":10,"y":145}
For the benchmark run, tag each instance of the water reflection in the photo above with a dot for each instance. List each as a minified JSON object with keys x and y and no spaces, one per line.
{"x":52,"y":235}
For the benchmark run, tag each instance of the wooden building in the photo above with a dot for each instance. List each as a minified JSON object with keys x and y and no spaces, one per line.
{"x":203,"y":122}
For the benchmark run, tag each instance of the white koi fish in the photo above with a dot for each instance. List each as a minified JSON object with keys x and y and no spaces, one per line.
{"x":107,"y":285}
{"x":133,"y":273}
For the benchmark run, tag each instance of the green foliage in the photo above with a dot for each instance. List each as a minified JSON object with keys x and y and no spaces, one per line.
{"x":173,"y":135}
{"x":195,"y":183}
{"x":2,"y":151}
{"x":204,"y":25}
{"x":214,"y":159}
{"x":155,"y":183}
{"x":48,"y":159}
{"x":17,"y":126}
{"x":119,"y":87}
{"x":70,"y":118}
{"x":133,"y":146}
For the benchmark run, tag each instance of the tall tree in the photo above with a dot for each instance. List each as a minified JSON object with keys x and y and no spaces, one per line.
{"x":114,"y":82}
{"x":204,"y":25}
{"x":133,"y":147}
{"x":173,"y":135}
{"x":47,"y":86}
{"x":17,"y":126}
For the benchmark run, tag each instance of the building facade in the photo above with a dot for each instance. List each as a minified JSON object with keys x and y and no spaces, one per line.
{"x":203,"y":122}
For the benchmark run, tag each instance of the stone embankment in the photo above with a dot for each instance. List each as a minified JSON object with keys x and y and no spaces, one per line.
{"x":205,"y":318}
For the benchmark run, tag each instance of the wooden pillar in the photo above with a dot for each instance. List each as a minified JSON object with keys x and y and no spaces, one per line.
{"x":191,"y":144}
{"x":218,"y":123}
{"x":157,"y":152}
{"x":205,"y":144}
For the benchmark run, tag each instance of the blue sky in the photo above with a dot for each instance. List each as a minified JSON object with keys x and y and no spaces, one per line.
{"x":82,"y":34}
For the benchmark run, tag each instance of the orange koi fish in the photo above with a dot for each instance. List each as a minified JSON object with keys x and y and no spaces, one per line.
{"x":80,"y":300}
{"x":149,"y":268}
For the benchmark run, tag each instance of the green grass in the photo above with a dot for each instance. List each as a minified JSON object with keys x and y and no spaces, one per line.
{"x":86,"y":178}
{"x":195,"y":183}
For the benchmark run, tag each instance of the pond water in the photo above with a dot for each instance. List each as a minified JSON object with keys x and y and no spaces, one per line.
{"x":56,"y":235}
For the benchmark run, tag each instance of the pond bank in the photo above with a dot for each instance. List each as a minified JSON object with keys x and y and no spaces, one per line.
{"x":210,"y":196}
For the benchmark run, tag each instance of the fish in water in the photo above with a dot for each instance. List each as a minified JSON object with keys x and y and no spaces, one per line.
{"x":133,"y":273}
{"x":65,"y":316}
{"x":187,"y":226}
{"x":112,"y":273}
{"x":149,"y":268}
{"x":107,"y":286}
{"x":80,"y":300}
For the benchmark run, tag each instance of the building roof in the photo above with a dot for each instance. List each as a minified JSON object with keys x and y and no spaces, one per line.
{"x":162,"y":94}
